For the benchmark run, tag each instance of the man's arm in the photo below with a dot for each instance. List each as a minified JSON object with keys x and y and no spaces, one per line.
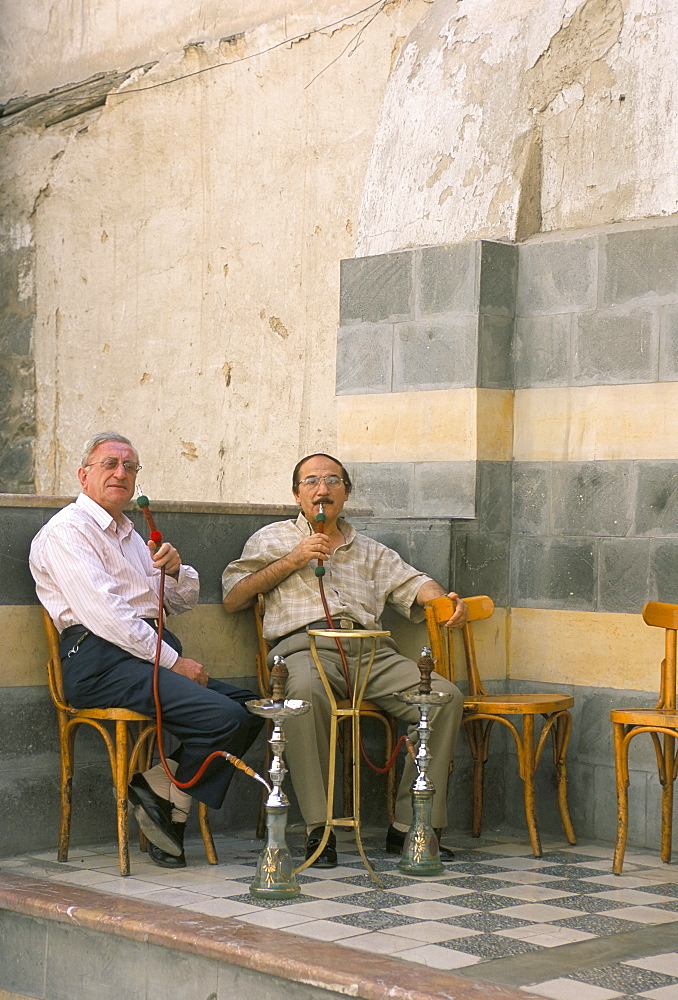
{"x":430,"y":590}
{"x":243,"y":594}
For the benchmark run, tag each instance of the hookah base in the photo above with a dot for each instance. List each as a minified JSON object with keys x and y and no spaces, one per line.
{"x":421,"y":856}
{"x":275,"y":878}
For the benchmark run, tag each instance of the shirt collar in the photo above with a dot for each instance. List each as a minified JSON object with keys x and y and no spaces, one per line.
{"x":102,"y":517}
{"x":345,"y":527}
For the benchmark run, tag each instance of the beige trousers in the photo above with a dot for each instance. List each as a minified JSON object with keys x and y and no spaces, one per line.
{"x":307,"y":750}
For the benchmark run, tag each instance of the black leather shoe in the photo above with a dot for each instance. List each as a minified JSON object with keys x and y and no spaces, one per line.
{"x":395,"y":841}
{"x":328,"y":858}
{"x":154,"y":816}
{"x":162,"y":858}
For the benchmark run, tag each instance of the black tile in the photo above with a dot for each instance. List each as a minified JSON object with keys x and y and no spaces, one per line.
{"x":598,"y":924}
{"x":490,"y":946}
{"x":623,"y":977}
{"x":486,"y":922}
{"x":374,"y":920}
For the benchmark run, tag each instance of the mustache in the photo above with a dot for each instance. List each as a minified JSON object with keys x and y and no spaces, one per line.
{"x":325,"y":503}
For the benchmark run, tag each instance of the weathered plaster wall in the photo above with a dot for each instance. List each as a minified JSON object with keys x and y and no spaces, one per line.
{"x":502,"y":120}
{"x":187,"y":241}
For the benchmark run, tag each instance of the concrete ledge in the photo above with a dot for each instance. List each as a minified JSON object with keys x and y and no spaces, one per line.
{"x":324,"y":969}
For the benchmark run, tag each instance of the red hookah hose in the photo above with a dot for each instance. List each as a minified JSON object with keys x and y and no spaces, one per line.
{"x":156,"y":536}
{"x":320,"y":572}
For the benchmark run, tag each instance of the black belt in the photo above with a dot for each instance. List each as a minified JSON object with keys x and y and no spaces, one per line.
{"x":72,"y":630}
{"x":339,"y":622}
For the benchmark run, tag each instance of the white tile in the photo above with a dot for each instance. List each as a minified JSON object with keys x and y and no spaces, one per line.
{"x":519,"y":864}
{"x":222,"y":908}
{"x":529,"y":878}
{"x":510,"y":850}
{"x":431,"y":931}
{"x":431,"y":910}
{"x":320,"y":908}
{"x":176,"y":897}
{"x":341,"y":871}
{"x":328,"y":889}
{"x":429,"y":890}
{"x":87,"y":877}
{"x":593,"y":849}
{"x":220,"y":887}
{"x":643,"y":914}
{"x":128,"y":887}
{"x":547,"y":935}
{"x":539,"y":912}
{"x":436,"y":957}
{"x":666,"y":963}
{"x":625,"y":881}
{"x":379,"y":943}
{"x":530,"y":893}
{"x":279,"y":916}
{"x":662,"y":993}
{"x":633,"y":896}
{"x":570,"y":989}
{"x":327,"y":930}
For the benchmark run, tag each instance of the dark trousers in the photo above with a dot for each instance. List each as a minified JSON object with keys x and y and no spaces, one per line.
{"x":203,"y":719}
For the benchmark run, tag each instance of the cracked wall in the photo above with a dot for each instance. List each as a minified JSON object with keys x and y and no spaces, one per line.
{"x":499,"y":125}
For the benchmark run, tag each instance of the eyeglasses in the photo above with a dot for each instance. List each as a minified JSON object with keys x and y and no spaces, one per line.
{"x":112,"y":463}
{"x":329,"y":481}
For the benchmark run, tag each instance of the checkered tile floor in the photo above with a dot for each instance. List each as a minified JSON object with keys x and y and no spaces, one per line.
{"x":493,"y":902}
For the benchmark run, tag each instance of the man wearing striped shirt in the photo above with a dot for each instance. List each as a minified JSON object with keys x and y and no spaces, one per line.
{"x":99,"y":581}
{"x":362,"y":576}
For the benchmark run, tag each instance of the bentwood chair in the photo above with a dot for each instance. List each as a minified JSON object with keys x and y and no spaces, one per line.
{"x":127,"y":753}
{"x":662,"y":719}
{"x":367,"y":710}
{"x":482,"y":710}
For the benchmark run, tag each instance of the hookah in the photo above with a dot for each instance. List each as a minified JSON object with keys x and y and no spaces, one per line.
{"x":421,"y":854}
{"x":275,"y":876}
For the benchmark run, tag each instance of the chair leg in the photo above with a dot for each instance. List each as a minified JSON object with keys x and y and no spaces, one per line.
{"x":527,"y":765}
{"x":478,"y":739}
{"x":669,"y":777}
{"x":67,"y":741}
{"x":120,"y":782}
{"x":203,"y":818}
{"x":561,"y":738}
{"x":622,"y":779}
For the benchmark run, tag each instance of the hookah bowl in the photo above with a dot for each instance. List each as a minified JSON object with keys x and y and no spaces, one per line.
{"x":275,"y":877}
{"x":421,"y":855}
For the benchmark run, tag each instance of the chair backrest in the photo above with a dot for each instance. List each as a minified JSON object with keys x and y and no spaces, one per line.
{"x":440,"y":611}
{"x":55,"y":678}
{"x":263,"y":673}
{"x":665,"y":616}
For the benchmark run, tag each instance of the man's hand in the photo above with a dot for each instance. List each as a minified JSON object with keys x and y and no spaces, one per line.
{"x":166,"y":556}
{"x":315,"y":546}
{"x":460,"y":612}
{"x":189,"y":668}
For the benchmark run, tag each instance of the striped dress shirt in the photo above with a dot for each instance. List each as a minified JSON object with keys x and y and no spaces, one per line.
{"x":91,"y":571}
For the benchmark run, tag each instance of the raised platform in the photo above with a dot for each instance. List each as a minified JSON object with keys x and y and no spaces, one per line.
{"x":497,"y":925}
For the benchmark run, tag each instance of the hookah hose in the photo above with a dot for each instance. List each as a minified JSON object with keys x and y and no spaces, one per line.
{"x":320,"y":572}
{"x":156,"y":537}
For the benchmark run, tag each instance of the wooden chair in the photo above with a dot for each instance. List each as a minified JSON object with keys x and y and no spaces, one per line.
{"x":663,"y":718}
{"x":368,"y":709}
{"x":127,"y":754}
{"x":482,"y":710}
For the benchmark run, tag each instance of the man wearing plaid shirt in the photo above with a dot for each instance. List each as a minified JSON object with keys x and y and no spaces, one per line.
{"x":362,"y":576}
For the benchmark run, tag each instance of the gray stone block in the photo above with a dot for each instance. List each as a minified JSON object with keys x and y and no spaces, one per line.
{"x":581,"y":798}
{"x":541,"y":353}
{"x":482,"y":566}
{"x":624,"y":565}
{"x":557,"y":277}
{"x":664,"y":571}
{"x":591,"y":498}
{"x":391,"y":532}
{"x":611,"y":348}
{"x":24,"y":954}
{"x":430,"y":551}
{"x":18,"y":527}
{"x":553,"y":573}
{"x":386,"y":487}
{"x":438,"y":354}
{"x":531,"y":507}
{"x":493,"y":496}
{"x":495,"y":352}
{"x":668,"y":344}
{"x":640,"y":263}
{"x":17,"y":309}
{"x":28,"y":722}
{"x":656,"y":499}
{"x":364,"y":358}
{"x":444,"y":489}
{"x":605,"y":813}
{"x":91,"y":965}
{"x":447,"y":279}
{"x":498,"y":278}
{"x":377,"y":289}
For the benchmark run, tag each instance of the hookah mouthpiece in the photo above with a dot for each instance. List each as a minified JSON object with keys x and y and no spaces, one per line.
{"x":320,"y":519}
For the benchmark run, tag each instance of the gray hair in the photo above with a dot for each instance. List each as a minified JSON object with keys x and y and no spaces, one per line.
{"x":101,"y":438}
